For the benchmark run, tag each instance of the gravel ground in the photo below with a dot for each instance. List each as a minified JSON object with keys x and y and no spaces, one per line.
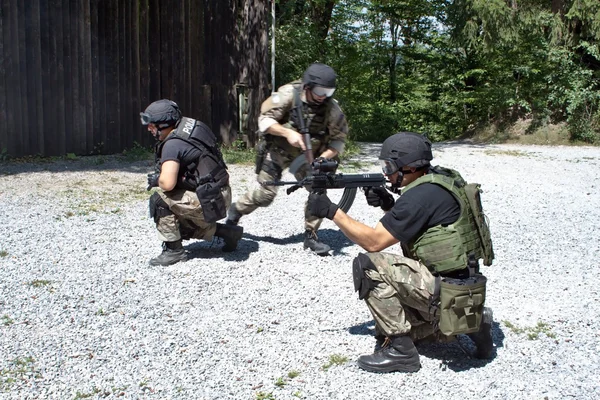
{"x":82,"y":315}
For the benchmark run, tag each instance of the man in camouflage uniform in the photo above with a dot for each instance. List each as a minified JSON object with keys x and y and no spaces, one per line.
{"x":398,"y":289}
{"x":327,"y":126}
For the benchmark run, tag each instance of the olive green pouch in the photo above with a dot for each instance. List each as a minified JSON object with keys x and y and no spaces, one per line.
{"x":461,"y":304}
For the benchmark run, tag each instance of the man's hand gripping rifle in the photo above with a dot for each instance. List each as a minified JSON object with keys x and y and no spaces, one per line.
{"x":324,"y":177}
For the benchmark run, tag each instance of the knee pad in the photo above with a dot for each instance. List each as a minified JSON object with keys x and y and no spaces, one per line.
{"x":362,"y":283}
{"x":272,"y":169}
{"x":158,"y":207}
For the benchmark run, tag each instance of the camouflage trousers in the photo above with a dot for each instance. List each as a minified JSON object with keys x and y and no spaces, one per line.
{"x":275,"y":162}
{"x":187,"y":220}
{"x":400,"y":299}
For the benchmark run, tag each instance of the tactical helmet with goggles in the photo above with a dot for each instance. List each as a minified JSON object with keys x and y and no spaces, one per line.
{"x":320,"y":79}
{"x":163,"y":113}
{"x":405,"y":149}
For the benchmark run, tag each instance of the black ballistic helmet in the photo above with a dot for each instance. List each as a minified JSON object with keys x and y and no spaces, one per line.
{"x":406,"y":149}
{"x":318,"y":74}
{"x":163,"y":113}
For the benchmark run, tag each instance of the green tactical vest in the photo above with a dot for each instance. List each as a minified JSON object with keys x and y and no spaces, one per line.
{"x":447,"y":248}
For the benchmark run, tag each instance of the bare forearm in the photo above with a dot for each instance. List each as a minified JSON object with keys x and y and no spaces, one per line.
{"x":359,"y":233}
{"x":329,"y":153}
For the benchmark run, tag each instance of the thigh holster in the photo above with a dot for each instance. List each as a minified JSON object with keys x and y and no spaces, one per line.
{"x":158,"y":207}
{"x":362,"y":283}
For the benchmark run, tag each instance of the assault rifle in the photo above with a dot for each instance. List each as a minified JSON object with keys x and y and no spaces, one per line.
{"x":324,"y":177}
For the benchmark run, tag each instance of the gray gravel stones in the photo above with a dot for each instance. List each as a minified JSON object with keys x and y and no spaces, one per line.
{"x":82,"y":313}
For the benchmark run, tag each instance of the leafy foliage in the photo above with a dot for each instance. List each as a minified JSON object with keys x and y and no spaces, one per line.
{"x":448,"y":68}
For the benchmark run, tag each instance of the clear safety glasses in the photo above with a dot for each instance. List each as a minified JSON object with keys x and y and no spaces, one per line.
{"x":323,"y":91}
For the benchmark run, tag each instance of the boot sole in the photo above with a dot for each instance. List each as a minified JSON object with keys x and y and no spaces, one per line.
{"x":391,"y":368}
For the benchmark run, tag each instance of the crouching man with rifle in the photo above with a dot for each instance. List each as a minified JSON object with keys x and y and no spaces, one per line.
{"x":300,"y":116}
{"x":435,"y":288}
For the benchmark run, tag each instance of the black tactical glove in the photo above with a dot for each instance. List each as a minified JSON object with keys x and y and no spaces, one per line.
{"x":152,"y":180}
{"x":320,"y":206}
{"x":379,"y":197}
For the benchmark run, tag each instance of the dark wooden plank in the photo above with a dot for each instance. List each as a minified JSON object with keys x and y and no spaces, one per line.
{"x":197,"y":57}
{"x":67,"y":88}
{"x":97,"y":95}
{"x":120,"y":139}
{"x":186,"y":93}
{"x":177,"y":21}
{"x":34,"y":78}
{"x":86,"y":68}
{"x":166,"y":50}
{"x":56,"y":32}
{"x":113,"y":98}
{"x":154,"y":40}
{"x":48,"y":81}
{"x":144,"y":55}
{"x":103,"y":57}
{"x":133,"y":127}
{"x":77,"y":113}
{"x":23,"y":83}
{"x":3,"y":71}
{"x":11,"y":63}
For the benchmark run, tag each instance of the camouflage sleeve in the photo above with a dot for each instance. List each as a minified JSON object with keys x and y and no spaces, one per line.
{"x":338,"y":128}
{"x":276,"y":109}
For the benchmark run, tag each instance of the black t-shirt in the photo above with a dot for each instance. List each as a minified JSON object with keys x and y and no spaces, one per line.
{"x":419,"y":209}
{"x":179,"y":150}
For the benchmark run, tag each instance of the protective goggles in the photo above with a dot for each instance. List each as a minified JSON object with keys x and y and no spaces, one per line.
{"x":389,"y":167}
{"x":145,"y":118}
{"x":323,"y":91}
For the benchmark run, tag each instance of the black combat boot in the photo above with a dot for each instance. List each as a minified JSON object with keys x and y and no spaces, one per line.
{"x":233,"y":216}
{"x":483,"y":338}
{"x":172,"y":253}
{"x":311,"y":241}
{"x":231,"y":234}
{"x":399,"y":355}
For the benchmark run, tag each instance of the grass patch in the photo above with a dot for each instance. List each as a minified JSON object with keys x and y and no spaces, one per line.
{"x":532,"y":332}
{"x":7,"y":321}
{"x":238,"y":153}
{"x":102,"y":312}
{"x":293,"y":374}
{"x":525,"y":131}
{"x":20,"y":370}
{"x":3,"y":253}
{"x":264,"y":396}
{"x":280,"y":382}
{"x":138,"y":153}
{"x":335,"y":359}
{"x":40,"y":283}
{"x":512,"y":153}
{"x":87,"y":395}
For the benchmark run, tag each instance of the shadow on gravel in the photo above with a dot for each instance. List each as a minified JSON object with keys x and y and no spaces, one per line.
{"x":334,"y":238}
{"x":80,"y":164}
{"x":209,"y":250}
{"x":456,"y":355}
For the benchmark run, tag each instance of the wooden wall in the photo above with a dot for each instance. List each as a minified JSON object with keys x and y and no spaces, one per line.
{"x":74,"y":74}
